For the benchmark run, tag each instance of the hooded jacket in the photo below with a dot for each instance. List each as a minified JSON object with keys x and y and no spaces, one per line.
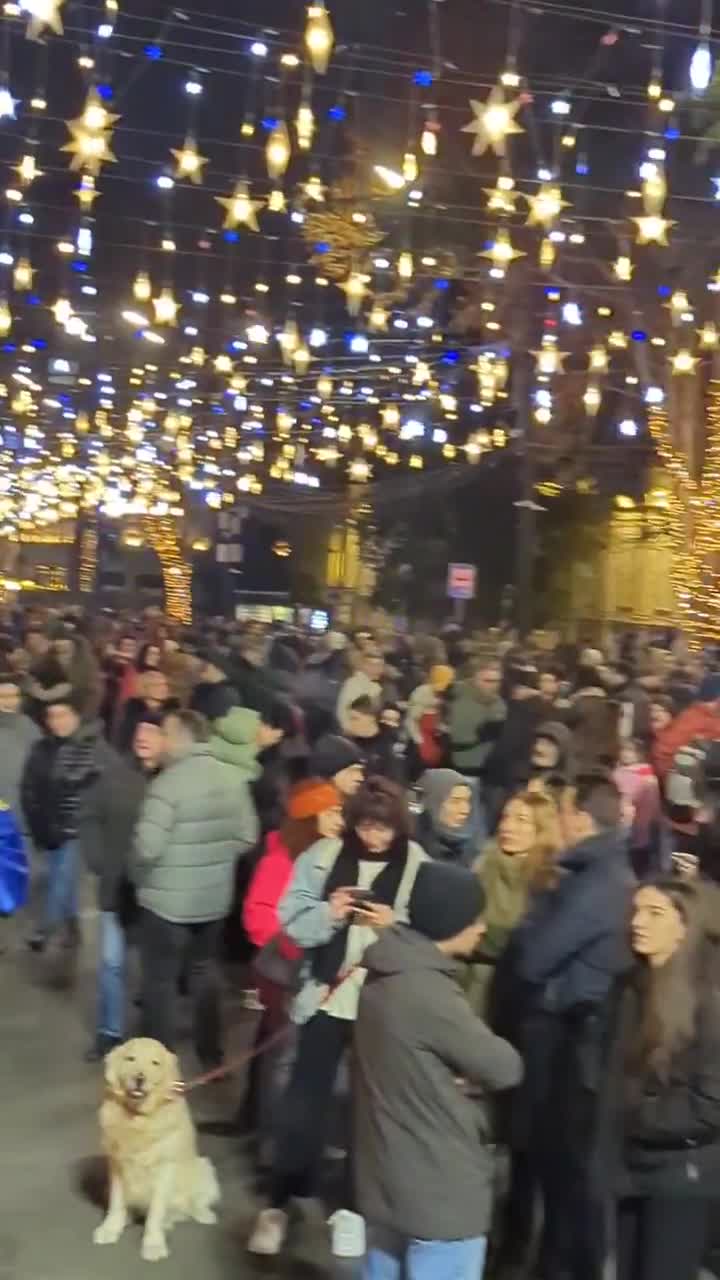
{"x":446,"y":844}
{"x":475,"y":723}
{"x":421,"y":1169}
{"x":234,"y":742}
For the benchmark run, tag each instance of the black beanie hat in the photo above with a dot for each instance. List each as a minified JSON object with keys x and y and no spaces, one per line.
{"x":332,"y":754}
{"x":445,"y":900}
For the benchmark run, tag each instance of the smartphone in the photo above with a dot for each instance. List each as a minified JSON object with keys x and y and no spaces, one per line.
{"x":363,"y":897}
{"x":685,"y":865}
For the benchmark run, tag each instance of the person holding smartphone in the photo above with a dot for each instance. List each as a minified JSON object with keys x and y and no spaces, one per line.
{"x":343,"y":894}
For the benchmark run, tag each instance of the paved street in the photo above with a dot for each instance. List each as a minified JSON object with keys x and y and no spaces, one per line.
{"x":50,"y":1173}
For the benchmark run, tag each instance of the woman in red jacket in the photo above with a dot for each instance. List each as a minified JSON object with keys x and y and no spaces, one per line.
{"x":314,"y":812}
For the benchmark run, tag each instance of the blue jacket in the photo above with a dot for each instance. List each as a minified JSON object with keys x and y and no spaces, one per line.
{"x":13,"y":864}
{"x":574,"y":941}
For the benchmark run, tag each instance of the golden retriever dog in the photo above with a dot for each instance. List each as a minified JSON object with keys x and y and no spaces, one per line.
{"x":149,"y":1139}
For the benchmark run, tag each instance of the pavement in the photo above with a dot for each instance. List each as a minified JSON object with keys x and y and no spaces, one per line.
{"x":51,"y":1173}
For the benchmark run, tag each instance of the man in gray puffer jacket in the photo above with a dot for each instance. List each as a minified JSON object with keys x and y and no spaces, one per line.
{"x":423,"y":1175}
{"x":198,"y":818}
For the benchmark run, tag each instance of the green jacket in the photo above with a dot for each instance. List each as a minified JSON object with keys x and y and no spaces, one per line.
{"x":198,"y":818}
{"x":234,"y":741}
{"x":475,"y":721}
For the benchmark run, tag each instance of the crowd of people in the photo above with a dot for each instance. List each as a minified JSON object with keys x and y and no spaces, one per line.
{"x":476,"y":884}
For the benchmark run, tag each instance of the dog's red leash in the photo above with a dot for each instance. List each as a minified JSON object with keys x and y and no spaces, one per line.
{"x":229,"y":1068}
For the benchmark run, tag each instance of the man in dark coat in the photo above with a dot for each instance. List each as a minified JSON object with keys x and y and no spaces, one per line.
{"x":110,"y":814}
{"x":59,"y":770}
{"x":569,"y":952}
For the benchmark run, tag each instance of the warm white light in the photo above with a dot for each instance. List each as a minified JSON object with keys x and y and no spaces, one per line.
{"x":392,"y":179}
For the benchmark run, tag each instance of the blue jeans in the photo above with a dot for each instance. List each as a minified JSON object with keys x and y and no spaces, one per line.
{"x":61,"y":902}
{"x":395,"y":1258}
{"x":111,"y":976}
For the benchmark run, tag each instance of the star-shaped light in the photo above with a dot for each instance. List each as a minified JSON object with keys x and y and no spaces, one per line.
{"x":5,"y":318}
{"x":190,"y":163}
{"x":502,"y":252}
{"x":683,"y":362}
{"x":545,"y":206}
{"x":165,"y":307}
{"x":709,"y":336}
{"x":62,"y":310}
{"x":652,"y":228}
{"x":95,"y":116}
{"x":494,"y":122}
{"x":43,"y":13}
{"x":623,"y":267}
{"x":89,"y":151}
{"x":241,"y":210}
{"x":502,"y":197}
{"x":27,"y":170}
{"x":549,"y":360}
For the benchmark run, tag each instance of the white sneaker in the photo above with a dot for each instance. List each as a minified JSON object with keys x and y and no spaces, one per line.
{"x":348,"y":1234}
{"x":269,"y":1234}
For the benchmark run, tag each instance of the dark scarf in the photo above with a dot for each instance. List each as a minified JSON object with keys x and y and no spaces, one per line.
{"x":326,"y":961}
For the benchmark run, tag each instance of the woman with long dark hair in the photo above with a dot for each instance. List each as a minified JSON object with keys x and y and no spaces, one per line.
{"x":670,"y":1098}
{"x":342,"y":894}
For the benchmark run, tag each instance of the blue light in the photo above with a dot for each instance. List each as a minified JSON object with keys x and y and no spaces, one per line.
{"x":154,"y":52}
{"x":10,"y":346}
{"x":638,"y":335}
{"x":105,"y":91}
{"x":664,"y":290}
{"x":451,"y":357}
{"x":582,"y":168}
{"x":269,"y":123}
{"x":322,"y":246}
{"x":79,"y":266}
{"x":337,"y":112}
{"x":217,"y":408}
{"x":672,"y":132}
{"x":423,"y":78}
{"x":39,"y":344}
{"x":442,"y":284}
{"x":34,"y":300}
{"x":232,"y":237}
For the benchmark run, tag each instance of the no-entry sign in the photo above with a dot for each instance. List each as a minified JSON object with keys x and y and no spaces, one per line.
{"x":461,"y":581}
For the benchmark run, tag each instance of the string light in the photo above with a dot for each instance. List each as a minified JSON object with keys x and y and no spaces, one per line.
{"x":189,"y":163}
{"x":494,"y":122}
{"x":277,"y":151}
{"x":319,"y":37}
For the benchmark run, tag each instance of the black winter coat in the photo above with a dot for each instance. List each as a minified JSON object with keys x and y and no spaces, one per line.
{"x":668,"y":1129}
{"x":56,"y":777}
